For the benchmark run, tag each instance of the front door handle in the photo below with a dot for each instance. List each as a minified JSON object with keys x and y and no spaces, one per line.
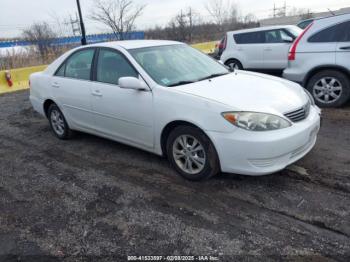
{"x":96,"y":93}
{"x":268,"y":49}
{"x":55,"y":85}
{"x":345,"y":48}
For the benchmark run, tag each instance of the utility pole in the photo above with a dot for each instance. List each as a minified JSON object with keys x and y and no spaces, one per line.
{"x":82,"y":26}
{"x":75,"y":24}
{"x":191,"y":23}
{"x":280,"y":11}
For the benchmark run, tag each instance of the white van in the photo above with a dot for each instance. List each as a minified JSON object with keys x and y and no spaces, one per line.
{"x":261,"y":49}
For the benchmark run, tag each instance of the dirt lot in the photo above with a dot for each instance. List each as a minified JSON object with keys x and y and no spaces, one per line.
{"x":93,"y":199}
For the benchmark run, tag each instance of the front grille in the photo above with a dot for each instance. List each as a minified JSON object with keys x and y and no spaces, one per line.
{"x":299,"y":114}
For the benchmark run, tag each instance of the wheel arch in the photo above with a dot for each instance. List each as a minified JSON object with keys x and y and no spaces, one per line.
{"x":233,"y":58}
{"x":236,"y":59}
{"x":47,"y":104}
{"x":171,"y":126}
{"x":323,"y":68}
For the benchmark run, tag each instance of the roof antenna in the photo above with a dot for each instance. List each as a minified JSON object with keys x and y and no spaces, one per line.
{"x":331,"y":11}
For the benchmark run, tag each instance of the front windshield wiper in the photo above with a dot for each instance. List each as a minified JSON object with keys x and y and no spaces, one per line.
{"x":212,"y":76}
{"x":181,"y":83}
{"x":201,"y":79}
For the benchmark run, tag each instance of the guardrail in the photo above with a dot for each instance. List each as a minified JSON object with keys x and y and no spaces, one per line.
{"x":20,"y":76}
{"x":208,"y":47}
{"x":75,"y":39}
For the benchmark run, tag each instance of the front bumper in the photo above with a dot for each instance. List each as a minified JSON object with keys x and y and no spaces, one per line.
{"x":260,"y":153}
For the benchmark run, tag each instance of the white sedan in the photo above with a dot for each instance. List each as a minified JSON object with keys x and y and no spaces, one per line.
{"x":170,"y":99}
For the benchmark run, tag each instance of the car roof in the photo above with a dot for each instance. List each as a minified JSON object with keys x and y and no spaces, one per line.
{"x":263,"y":28}
{"x":307,"y":20}
{"x":331,"y":16}
{"x":134,"y":44}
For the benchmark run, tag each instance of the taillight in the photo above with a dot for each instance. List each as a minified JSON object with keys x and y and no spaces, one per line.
{"x":293,"y":48}
{"x":223,"y":43}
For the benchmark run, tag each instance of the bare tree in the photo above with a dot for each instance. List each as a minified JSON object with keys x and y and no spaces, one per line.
{"x":118,"y":15}
{"x":222,"y":12}
{"x":61,"y":25}
{"x":182,"y":26}
{"x":250,"y":18}
{"x":187,"y":26}
{"x":40,"y":35}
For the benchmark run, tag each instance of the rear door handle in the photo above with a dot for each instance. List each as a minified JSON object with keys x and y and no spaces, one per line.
{"x":96,"y":93}
{"x":268,"y":49}
{"x":345,"y":48}
{"x":55,"y":85}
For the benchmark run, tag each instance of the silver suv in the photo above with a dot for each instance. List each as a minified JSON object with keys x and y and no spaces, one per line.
{"x":260,"y":49}
{"x":319,"y":59}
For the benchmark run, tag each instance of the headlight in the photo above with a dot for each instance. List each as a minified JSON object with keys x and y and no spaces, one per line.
{"x":311,"y":98}
{"x":256,"y":121}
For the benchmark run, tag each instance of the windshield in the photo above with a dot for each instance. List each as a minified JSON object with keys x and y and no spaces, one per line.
{"x":295,"y":31}
{"x":177,"y":64}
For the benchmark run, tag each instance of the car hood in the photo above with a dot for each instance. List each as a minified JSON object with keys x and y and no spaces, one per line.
{"x":248,"y":91}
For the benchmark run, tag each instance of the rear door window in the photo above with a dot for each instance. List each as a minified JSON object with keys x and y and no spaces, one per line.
{"x":329,"y":35}
{"x":249,"y":38}
{"x":78,"y":66}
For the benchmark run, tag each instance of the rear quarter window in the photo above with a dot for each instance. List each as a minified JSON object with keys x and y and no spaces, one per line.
{"x":61,"y":70}
{"x":331,"y":34}
{"x":78,"y":65}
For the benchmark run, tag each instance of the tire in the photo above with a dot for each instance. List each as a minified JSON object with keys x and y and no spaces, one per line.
{"x":234,"y":64}
{"x":203,"y":161}
{"x":58,"y":123}
{"x":332,"y":85}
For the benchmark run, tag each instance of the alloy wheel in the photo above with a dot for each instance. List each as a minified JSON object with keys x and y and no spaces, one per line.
{"x":189,"y":154}
{"x":233,"y":66}
{"x":57,"y":122}
{"x":327,"y":90}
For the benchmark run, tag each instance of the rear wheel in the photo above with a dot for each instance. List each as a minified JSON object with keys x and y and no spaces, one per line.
{"x":58,"y":123}
{"x":234,"y":64}
{"x":330,"y":88}
{"x":192,"y":154}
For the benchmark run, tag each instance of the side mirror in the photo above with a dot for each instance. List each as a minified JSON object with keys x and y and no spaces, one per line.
{"x":288,"y":39}
{"x":132,"y":83}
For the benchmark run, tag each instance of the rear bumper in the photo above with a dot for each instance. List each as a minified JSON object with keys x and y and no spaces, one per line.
{"x":294,"y":76}
{"x":37,"y":104}
{"x":260,"y":153}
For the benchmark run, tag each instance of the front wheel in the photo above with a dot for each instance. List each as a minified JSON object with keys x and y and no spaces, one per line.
{"x":192,"y":154}
{"x":330,"y":88}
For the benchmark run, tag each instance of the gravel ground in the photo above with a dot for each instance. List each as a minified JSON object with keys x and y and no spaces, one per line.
{"x":90,"y":199}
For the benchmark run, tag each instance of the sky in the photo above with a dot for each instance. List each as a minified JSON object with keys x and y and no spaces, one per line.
{"x":15,"y":15}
